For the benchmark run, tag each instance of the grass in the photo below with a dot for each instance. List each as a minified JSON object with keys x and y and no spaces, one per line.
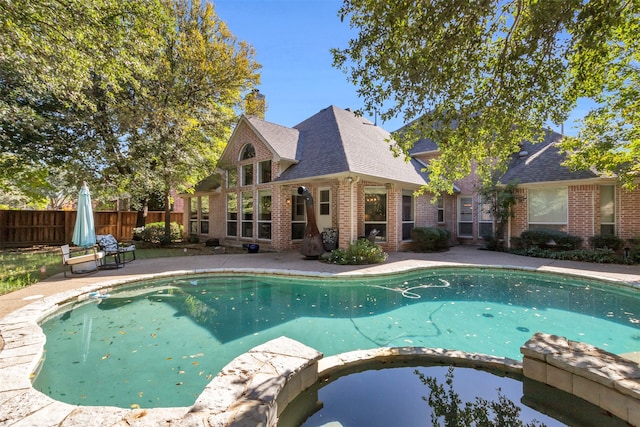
{"x":20,"y":268}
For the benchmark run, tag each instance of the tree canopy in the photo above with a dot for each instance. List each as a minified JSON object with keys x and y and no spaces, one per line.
{"x":480,"y":77}
{"x":135,"y":97}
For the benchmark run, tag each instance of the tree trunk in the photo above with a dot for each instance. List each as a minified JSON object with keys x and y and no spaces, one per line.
{"x":141,"y":218}
{"x":167,"y":216}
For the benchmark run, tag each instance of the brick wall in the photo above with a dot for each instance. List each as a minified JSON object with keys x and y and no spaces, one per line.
{"x":583,"y":211}
{"x":628,"y":213}
{"x":582,"y":207}
{"x":519,"y":222}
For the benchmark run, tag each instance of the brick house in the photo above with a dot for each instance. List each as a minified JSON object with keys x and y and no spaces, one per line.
{"x":581,"y":203}
{"x":359,"y":185}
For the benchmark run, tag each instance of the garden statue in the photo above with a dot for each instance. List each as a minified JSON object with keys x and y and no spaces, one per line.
{"x":312,"y":246}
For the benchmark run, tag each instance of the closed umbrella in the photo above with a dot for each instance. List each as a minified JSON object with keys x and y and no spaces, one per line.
{"x":84,"y":232}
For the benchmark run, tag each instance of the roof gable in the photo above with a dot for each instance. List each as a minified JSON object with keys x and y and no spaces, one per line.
{"x":281,"y":141}
{"x":336,"y":141}
{"x":542,"y":162}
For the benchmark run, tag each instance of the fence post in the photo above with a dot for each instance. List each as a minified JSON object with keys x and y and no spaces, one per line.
{"x":119,"y":225}
{"x":69,"y":223}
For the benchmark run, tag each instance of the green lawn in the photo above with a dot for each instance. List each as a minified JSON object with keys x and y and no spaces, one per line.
{"x":21,"y":268}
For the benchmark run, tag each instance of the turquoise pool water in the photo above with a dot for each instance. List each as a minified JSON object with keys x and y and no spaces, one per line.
{"x":158,"y":344}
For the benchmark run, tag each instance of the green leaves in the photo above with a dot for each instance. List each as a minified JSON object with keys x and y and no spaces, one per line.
{"x":480,"y":77}
{"x":136,"y":97}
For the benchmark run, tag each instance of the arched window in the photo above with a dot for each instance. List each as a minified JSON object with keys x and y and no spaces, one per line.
{"x":248,"y":152}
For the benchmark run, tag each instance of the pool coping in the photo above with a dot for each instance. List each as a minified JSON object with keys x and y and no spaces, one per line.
{"x":24,"y":345}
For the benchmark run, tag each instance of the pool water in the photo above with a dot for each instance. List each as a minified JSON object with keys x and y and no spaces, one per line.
{"x":158,"y":344}
{"x":398,"y":397}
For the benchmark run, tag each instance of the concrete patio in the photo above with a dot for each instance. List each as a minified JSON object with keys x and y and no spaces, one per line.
{"x":293,"y":261}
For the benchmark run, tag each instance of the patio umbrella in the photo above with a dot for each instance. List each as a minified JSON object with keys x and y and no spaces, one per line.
{"x":84,"y":232}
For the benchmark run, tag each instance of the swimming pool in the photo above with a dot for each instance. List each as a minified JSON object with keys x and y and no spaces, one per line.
{"x":158,"y":344}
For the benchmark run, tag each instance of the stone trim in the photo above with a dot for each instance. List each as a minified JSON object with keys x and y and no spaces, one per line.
{"x":604,"y":379}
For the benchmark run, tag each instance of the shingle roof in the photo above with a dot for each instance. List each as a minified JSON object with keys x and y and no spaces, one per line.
{"x":210,"y":183}
{"x":337,"y":141}
{"x":542,"y":163}
{"x":423,"y":146}
{"x":283,"y":140}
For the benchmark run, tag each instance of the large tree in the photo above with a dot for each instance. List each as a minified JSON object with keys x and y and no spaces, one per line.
{"x":54,"y":55}
{"x":191,"y":101}
{"x":153,"y":123}
{"x":480,"y":77}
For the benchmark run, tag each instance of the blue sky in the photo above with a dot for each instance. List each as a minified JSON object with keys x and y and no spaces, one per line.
{"x":292,"y":39}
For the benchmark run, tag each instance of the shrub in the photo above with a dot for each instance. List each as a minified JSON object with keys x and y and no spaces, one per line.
{"x":443,"y":242}
{"x":543,"y":238}
{"x":429,"y":239}
{"x":634,"y":252}
{"x":154,"y":233}
{"x":609,"y":241}
{"x":601,"y":256}
{"x":359,"y":252}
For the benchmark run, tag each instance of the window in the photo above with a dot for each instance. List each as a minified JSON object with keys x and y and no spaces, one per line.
{"x":193,"y":215}
{"x":324,"y":218}
{"x":247,"y":214}
{"x":204,"y":215}
{"x":298,"y":217}
{"x":199,"y":215}
{"x":465,"y":216}
{"x":547,"y":208}
{"x":264,"y":215}
{"x":232,"y":178}
{"x":325,"y":202}
{"x":375,"y":211}
{"x":248,"y":152}
{"x":607,"y":209}
{"x":440,"y":206}
{"x":485,"y":219}
{"x":264,"y":172}
{"x":407,"y":214}
{"x":232,"y":214}
{"x":247,"y":174}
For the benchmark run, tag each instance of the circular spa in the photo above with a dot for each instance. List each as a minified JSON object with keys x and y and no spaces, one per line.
{"x":158,"y":343}
{"x":416,"y":395}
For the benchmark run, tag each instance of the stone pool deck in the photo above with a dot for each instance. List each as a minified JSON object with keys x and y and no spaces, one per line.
{"x":22,"y":341}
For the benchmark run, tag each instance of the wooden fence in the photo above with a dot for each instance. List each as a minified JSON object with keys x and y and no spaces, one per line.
{"x":27,"y":228}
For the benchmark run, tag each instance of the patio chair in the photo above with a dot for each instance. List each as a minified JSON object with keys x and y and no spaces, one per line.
{"x":111,"y":247}
{"x":81,"y":260}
